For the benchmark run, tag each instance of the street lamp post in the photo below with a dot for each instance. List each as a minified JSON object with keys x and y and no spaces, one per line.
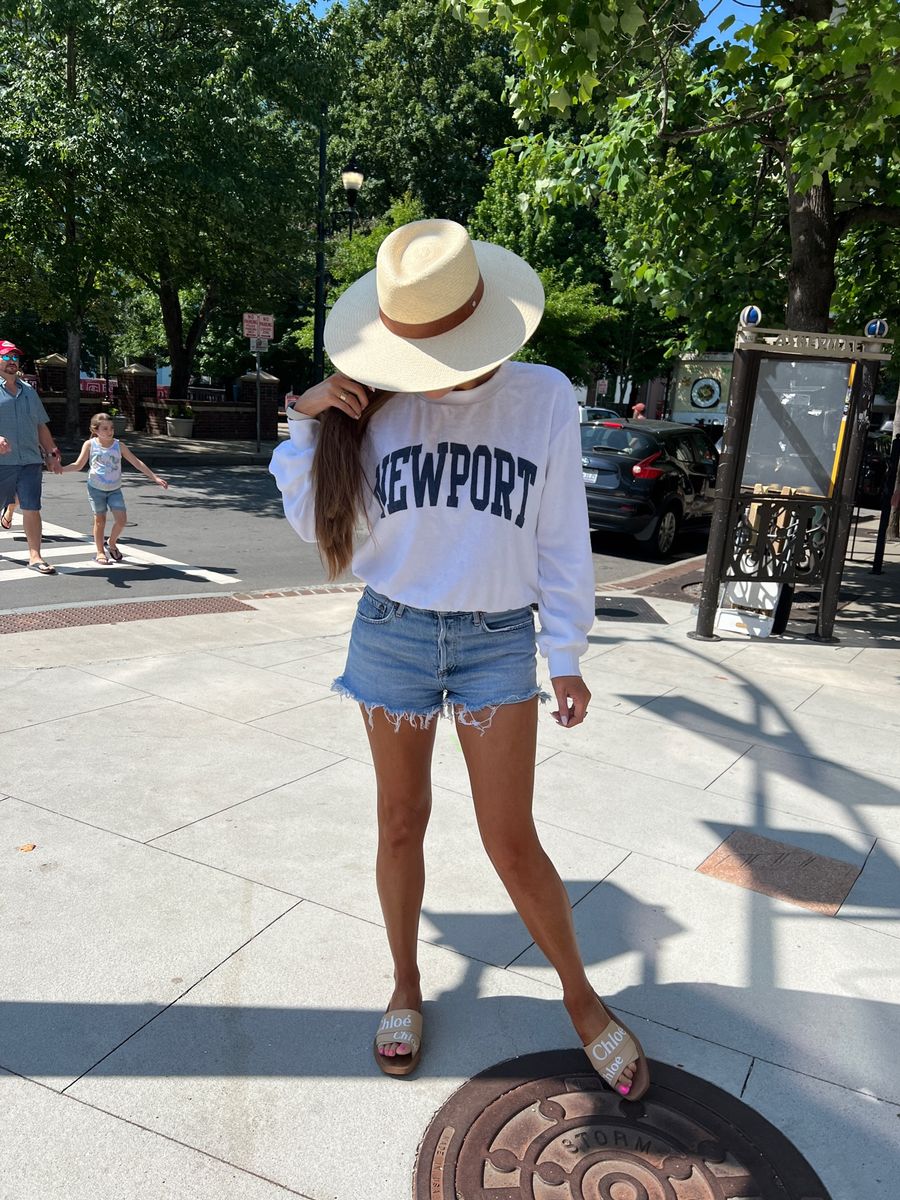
{"x":352,"y":179}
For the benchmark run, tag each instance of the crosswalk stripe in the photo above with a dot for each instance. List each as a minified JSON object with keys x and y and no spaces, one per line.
{"x":78,"y":543}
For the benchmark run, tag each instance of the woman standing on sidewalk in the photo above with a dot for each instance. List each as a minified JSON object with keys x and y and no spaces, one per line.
{"x":458,"y":474}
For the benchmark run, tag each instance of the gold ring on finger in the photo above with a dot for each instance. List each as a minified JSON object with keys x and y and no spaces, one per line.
{"x":342,"y":397}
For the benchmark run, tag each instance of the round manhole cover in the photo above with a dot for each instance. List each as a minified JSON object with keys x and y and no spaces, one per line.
{"x":543,"y":1127}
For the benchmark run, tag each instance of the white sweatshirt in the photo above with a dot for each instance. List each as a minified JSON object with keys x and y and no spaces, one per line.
{"x":476,"y":503}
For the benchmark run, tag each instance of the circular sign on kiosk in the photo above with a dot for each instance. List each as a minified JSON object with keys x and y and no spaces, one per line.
{"x":706,"y":392}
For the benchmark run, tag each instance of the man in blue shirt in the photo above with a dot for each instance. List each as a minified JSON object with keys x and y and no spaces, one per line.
{"x":25,"y":441}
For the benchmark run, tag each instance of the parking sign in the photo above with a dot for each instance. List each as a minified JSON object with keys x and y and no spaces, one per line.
{"x":259,"y":325}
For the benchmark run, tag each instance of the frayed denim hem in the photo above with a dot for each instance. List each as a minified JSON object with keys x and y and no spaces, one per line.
{"x":464,"y":713}
{"x":420,"y":720}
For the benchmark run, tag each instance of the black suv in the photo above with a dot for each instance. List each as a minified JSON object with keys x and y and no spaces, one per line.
{"x":647,"y":477}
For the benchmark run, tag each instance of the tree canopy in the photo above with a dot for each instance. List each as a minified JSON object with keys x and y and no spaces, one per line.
{"x":762,"y":151}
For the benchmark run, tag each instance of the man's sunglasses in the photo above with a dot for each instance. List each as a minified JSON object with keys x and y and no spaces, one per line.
{"x":9,"y":357}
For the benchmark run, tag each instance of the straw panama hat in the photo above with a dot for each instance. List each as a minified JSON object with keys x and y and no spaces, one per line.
{"x":438,"y":310}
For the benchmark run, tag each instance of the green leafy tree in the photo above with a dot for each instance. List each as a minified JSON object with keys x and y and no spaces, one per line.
{"x":59,"y":181}
{"x":421,"y":104}
{"x":588,"y":330}
{"x":222,"y":114}
{"x":169,"y":139}
{"x":773,"y":146}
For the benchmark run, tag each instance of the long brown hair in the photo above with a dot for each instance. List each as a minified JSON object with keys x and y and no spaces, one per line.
{"x":340,"y":483}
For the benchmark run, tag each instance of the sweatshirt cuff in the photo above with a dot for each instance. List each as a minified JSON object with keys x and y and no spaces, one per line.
{"x":303,"y":430}
{"x":563,"y":662}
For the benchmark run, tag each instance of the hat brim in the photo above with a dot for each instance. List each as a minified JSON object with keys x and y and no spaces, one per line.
{"x":361,"y":345}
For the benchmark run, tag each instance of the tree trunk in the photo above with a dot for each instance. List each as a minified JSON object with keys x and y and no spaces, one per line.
{"x":182,"y":348}
{"x":73,"y":378}
{"x":811,"y":279}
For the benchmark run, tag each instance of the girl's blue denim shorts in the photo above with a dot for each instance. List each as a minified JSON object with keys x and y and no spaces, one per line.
{"x":416,"y":664}
{"x":102,"y":501}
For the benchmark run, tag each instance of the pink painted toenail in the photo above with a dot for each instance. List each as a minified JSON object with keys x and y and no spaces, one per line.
{"x":623,"y":1089}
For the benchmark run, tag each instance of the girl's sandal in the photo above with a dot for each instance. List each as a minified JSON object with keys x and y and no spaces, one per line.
{"x":114,"y":552}
{"x":6,"y":520}
{"x":101,"y":558}
{"x":612,"y":1051}
{"x":399,"y":1025}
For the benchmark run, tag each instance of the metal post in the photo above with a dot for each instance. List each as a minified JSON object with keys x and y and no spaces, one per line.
{"x":350,"y":235}
{"x":319,"y":311}
{"x":258,"y":406}
{"x":861,"y":394}
{"x":740,"y":406}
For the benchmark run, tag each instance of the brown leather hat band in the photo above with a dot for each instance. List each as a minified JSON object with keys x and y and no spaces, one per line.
{"x":429,"y":329}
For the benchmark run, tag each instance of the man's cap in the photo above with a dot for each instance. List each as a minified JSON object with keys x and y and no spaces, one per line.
{"x":8,"y":347}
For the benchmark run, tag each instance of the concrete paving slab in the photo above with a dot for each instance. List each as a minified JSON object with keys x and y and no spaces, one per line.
{"x":875,"y":897}
{"x":275,"y":1046}
{"x":879,"y":711}
{"x":772,"y":653}
{"x":162,"y":765}
{"x":320,"y":669}
{"x":826,"y":792}
{"x":850,"y":1139}
{"x":618,"y":691}
{"x":317,"y":839}
{"x":672,"y":821}
{"x":139,"y":928}
{"x":215,"y":685}
{"x":879,"y":661}
{"x":320,"y":615}
{"x":270,"y":654}
{"x":57,"y":1148}
{"x":672,"y":640}
{"x":807,"y":992}
{"x":33,"y":696}
{"x":643,"y":663}
{"x":681,"y":755}
{"x":854,"y":745}
{"x":79,"y":645}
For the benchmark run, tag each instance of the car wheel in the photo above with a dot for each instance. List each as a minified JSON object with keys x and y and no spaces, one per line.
{"x":664,"y":532}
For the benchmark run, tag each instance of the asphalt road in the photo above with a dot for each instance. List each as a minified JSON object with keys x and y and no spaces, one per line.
{"x":217,"y":530}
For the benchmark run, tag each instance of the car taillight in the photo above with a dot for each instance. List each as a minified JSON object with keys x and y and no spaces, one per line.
{"x":644,"y":470}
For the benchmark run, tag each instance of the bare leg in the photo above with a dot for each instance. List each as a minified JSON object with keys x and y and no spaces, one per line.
{"x":99,"y":531}
{"x":120,"y":516}
{"x":403,"y":773}
{"x":33,"y":533}
{"x":500,"y":762}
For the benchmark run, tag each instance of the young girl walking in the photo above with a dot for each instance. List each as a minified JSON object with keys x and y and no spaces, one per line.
{"x":450,"y":480}
{"x":104,"y":453}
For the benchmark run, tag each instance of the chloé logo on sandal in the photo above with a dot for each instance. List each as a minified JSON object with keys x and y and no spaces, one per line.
{"x":604,"y":1049}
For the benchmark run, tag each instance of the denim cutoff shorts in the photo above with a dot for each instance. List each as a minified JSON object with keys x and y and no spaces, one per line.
{"x":416,"y":664}
{"x":101,"y":501}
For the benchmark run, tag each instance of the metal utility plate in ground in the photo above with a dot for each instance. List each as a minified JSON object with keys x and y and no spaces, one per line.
{"x":626,"y":608}
{"x":544,"y":1127}
{"x":113,"y":614}
{"x":786,"y":872}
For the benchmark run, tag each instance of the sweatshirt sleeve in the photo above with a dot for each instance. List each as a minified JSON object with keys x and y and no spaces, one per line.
{"x":292,"y":467}
{"x":565,"y":563}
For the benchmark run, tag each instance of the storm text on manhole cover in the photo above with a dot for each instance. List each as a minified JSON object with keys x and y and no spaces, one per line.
{"x":544,"y":1127}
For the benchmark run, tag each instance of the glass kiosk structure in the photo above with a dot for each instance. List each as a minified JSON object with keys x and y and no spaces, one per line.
{"x":794,"y":435}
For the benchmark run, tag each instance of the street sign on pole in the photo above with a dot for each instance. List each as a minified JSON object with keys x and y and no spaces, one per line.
{"x":259,"y":345}
{"x":259,"y":325}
